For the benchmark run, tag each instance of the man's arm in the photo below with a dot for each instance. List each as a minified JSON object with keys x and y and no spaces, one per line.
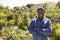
{"x":46,"y":31}
{"x":31,"y":28}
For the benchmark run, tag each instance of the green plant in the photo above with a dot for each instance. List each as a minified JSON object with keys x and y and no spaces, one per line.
{"x":12,"y":22}
{"x":56,"y":31}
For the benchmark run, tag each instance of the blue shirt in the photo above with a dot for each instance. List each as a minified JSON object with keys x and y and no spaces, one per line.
{"x":44,"y":28}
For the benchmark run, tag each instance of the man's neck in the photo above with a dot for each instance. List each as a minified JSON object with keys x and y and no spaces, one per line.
{"x":40,"y":18}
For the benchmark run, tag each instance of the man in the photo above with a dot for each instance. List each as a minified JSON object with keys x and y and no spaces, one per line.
{"x":40,"y":27}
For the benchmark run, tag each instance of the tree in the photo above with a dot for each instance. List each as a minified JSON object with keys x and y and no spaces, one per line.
{"x":58,"y":4}
{"x":46,"y":5}
{"x":17,"y":8}
{"x":29,"y":5}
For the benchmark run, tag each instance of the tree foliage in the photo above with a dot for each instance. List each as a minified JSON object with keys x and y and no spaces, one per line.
{"x":29,"y":5}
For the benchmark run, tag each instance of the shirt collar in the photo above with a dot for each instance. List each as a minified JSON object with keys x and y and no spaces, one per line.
{"x":41,"y":20}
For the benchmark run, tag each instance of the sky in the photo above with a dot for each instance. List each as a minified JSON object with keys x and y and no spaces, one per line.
{"x":13,"y":3}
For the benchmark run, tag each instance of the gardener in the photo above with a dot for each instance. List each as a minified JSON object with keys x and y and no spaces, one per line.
{"x":40,"y":27}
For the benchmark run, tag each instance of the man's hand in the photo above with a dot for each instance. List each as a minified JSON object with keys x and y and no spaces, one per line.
{"x":35,"y":29}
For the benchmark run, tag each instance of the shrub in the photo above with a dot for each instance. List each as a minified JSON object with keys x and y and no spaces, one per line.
{"x":12,"y":22}
{"x":56,"y":31}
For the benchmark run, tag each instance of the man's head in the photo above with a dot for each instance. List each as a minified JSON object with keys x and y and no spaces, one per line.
{"x":41,"y":12}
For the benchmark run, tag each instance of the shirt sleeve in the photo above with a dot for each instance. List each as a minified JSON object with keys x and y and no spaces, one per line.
{"x":46,"y":31}
{"x":31,"y":30}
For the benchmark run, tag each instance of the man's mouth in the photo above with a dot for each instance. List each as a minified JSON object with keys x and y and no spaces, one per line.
{"x":40,"y":15}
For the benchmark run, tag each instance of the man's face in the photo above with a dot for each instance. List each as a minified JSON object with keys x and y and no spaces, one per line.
{"x":41,"y":14}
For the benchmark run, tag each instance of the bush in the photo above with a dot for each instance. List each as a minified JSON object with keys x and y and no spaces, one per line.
{"x":11,"y":22}
{"x":2,"y":15}
{"x":56,"y":31}
{"x":2,"y":22}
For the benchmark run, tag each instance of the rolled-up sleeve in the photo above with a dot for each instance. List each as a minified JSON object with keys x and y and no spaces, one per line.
{"x":47,"y":31}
